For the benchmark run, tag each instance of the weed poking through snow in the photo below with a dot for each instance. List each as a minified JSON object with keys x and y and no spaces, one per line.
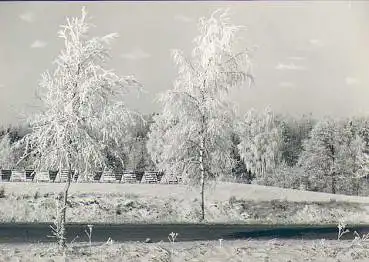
{"x":358,"y":240}
{"x":172,"y":238}
{"x":220,"y":242}
{"x":341,"y":230}
{"x":89,"y":234}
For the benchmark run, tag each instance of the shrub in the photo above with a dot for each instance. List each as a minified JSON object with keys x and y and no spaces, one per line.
{"x":36,"y":195}
{"x":283,"y":176}
{"x":2,"y":192}
{"x":232,"y":200}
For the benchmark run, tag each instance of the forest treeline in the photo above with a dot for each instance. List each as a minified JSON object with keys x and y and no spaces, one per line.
{"x":325,"y":155}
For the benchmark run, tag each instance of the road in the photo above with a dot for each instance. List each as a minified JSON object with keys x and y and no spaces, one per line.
{"x":33,"y":233}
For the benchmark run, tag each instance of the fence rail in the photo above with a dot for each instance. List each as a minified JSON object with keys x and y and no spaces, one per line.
{"x":55,"y":176}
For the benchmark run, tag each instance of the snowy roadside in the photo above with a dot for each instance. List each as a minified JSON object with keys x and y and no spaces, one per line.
{"x":227,"y":203}
{"x":246,"y":250}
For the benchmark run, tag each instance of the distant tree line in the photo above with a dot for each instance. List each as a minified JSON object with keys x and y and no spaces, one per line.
{"x":325,"y":155}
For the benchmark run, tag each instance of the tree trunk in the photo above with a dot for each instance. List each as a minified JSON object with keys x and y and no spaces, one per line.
{"x":356,"y":183}
{"x":333,"y":185}
{"x":62,"y":231}
{"x":202,"y":171}
{"x":333,"y":169}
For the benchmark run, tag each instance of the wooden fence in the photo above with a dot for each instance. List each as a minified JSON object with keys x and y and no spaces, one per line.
{"x":54,"y":176}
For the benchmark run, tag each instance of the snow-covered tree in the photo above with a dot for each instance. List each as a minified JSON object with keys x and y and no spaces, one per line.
{"x":320,"y":156}
{"x":363,"y":171}
{"x":355,"y":152}
{"x":192,"y":136}
{"x":84,"y":118}
{"x":138,"y":156}
{"x":239,"y":170}
{"x":157,"y":142}
{"x":294,"y":132}
{"x":9,"y":136}
{"x":6,"y":159}
{"x":261,"y":142}
{"x":336,"y":155}
{"x":348,"y":157}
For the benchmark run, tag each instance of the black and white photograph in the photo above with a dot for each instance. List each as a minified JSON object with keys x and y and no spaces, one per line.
{"x":175,"y":131}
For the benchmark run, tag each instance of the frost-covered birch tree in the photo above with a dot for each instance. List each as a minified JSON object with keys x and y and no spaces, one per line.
{"x":192,"y":135}
{"x":84,"y":117}
{"x":261,"y":142}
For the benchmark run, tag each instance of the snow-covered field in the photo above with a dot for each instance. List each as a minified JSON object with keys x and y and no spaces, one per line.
{"x":226,"y":203}
{"x":246,"y":250}
{"x":222,"y":191}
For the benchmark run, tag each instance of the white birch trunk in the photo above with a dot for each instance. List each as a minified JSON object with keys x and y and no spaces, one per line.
{"x":202,"y":173}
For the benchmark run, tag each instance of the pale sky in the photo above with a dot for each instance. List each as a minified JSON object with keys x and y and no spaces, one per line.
{"x":312,"y":56}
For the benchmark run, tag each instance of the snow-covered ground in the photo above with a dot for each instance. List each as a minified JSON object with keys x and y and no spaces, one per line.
{"x":246,"y":250}
{"x":226,"y":203}
{"x":222,"y":191}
